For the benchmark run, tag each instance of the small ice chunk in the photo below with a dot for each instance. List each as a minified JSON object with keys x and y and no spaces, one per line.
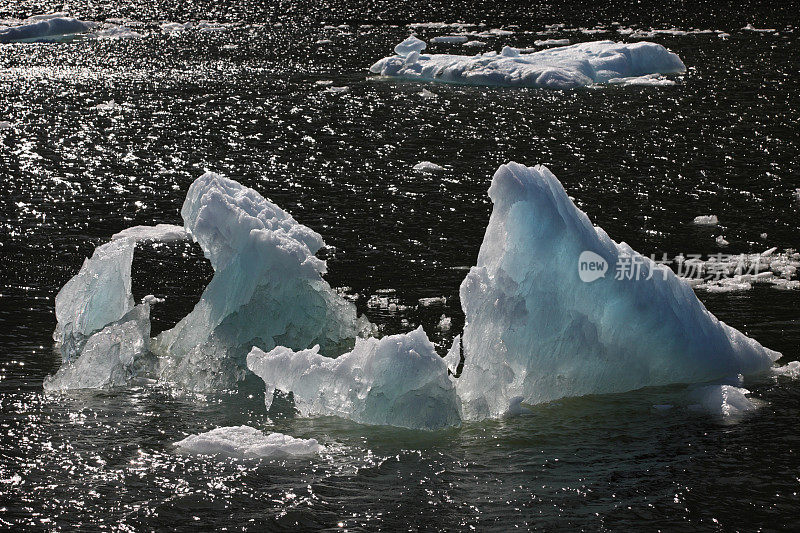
{"x":245,"y":442}
{"x":427,"y":166}
{"x":474,"y":44}
{"x":411,"y":44}
{"x":510,"y":51}
{"x":425,"y":93}
{"x":110,"y":105}
{"x":450,"y":39}
{"x":170,"y":27}
{"x":648,"y":80}
{"x":444,"y":323}
{"x":398,"y":380}
{"x":706,"y":220}
{"x":791,"y":369}
{"x":721,"y":241}
{"x":151,"y":299}
{"x":551,"y":42}
{"x":763,"y":236}
{"x":5,"y":125}
{"x":436,"y":300}
{"x":117,"y":32}
{"x":337,"y":90}
{"x":722,"y":400}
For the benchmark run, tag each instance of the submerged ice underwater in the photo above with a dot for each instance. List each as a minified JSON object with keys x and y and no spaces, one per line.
{"x":386,"y":275}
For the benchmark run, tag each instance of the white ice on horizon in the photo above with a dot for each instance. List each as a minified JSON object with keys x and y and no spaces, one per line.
{"x":559,"y":68}
{"x":397,"y":380}
{"x":45,"y":27}
{"x":245,"y":442}
{"x":535,"y":332}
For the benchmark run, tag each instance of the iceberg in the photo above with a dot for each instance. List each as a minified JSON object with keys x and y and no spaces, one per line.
{"x":267,"y":289}
{"x":558,"y":68}
{"x":547,"y":317}
{"x":45,"y":27}
{"x":245,"y":442}
{"x":398,"y":380}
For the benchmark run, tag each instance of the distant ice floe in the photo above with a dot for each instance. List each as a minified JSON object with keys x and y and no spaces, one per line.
{"x":551,"y":42}
{"x":245,"y":442}
{"x":648,"y":80}
{"x":706,"y":220}
{"x":55,"y":26}
{"x":398,"y":380}
{"x":450,"y":39}
{"x":427,"y":166}
{"x":559,"y":68}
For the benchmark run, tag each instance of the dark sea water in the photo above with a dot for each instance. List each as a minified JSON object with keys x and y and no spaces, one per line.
{"x":245,"y":102}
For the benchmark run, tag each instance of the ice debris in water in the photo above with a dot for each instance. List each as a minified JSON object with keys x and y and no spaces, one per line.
{"x":706,"y":220}
{"x":267,"y":289}
{"x":551,"y":42}
{"x":536,"y":332}
{"x":648,"y":80}
{"x":45,"y":27}
{"x":450,"y":39}
{"x":245,"y":442}
{"x":427,"y":166}
{"x":5,"y":125}
{"x":559,"y":68}
{"x":721,"y":241}
{"x":792,"y":370}
{"x":398,"y":380}
{"x":726,"y":273}
{"x":725,"y":401}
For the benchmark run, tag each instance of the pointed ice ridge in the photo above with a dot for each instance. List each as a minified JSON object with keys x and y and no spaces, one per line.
{"x":538,"y":328}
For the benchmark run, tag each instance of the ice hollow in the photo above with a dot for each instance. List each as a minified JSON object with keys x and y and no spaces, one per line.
{"x":536,"y":332}
{"x":558,"y":68}
{"x":398,"y":380}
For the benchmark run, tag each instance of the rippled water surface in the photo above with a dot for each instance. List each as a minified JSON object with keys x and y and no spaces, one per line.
{"x":249,"y":101}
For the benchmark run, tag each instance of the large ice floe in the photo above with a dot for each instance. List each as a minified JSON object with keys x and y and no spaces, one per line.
{"x":56,"y":26}
{"x":267,"y":290}
{"x":536,"y":332}
{"x":398,"y":380}
{"x":558,"y":68}
{"x":245,"y":442}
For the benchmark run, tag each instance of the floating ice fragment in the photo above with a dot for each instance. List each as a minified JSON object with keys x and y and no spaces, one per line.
{"x":46,"y":27}
{"x":551,"y":42}
{"x":721,"y":241}
{"x":535,"y":331}
{"x":444,"y":323}
{"x":474,"y":44}
{"x":337,"y":90}
{"x":116,"y":32}
{"x":411,"y":44}
{"x":247,"y":442}
{"x":648,"y":80}
{"x":5,"y":125}
{"x":792,"y":370}
{"x":398,"y":380}
{"x":561,"y":68}
{"x":450,"y":39}
{"x":722,"y":400}
{"x":436,"y":300}
{"x":427,"y":166}
{"x":425,"y":93}
{"x":706,"y":220}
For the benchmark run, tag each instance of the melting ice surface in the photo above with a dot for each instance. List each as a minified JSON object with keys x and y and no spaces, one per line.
{"x":247,"y":442}
{"x":558,"y":68}
{"x":398,"y":380}
{"x":536,"y":332}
